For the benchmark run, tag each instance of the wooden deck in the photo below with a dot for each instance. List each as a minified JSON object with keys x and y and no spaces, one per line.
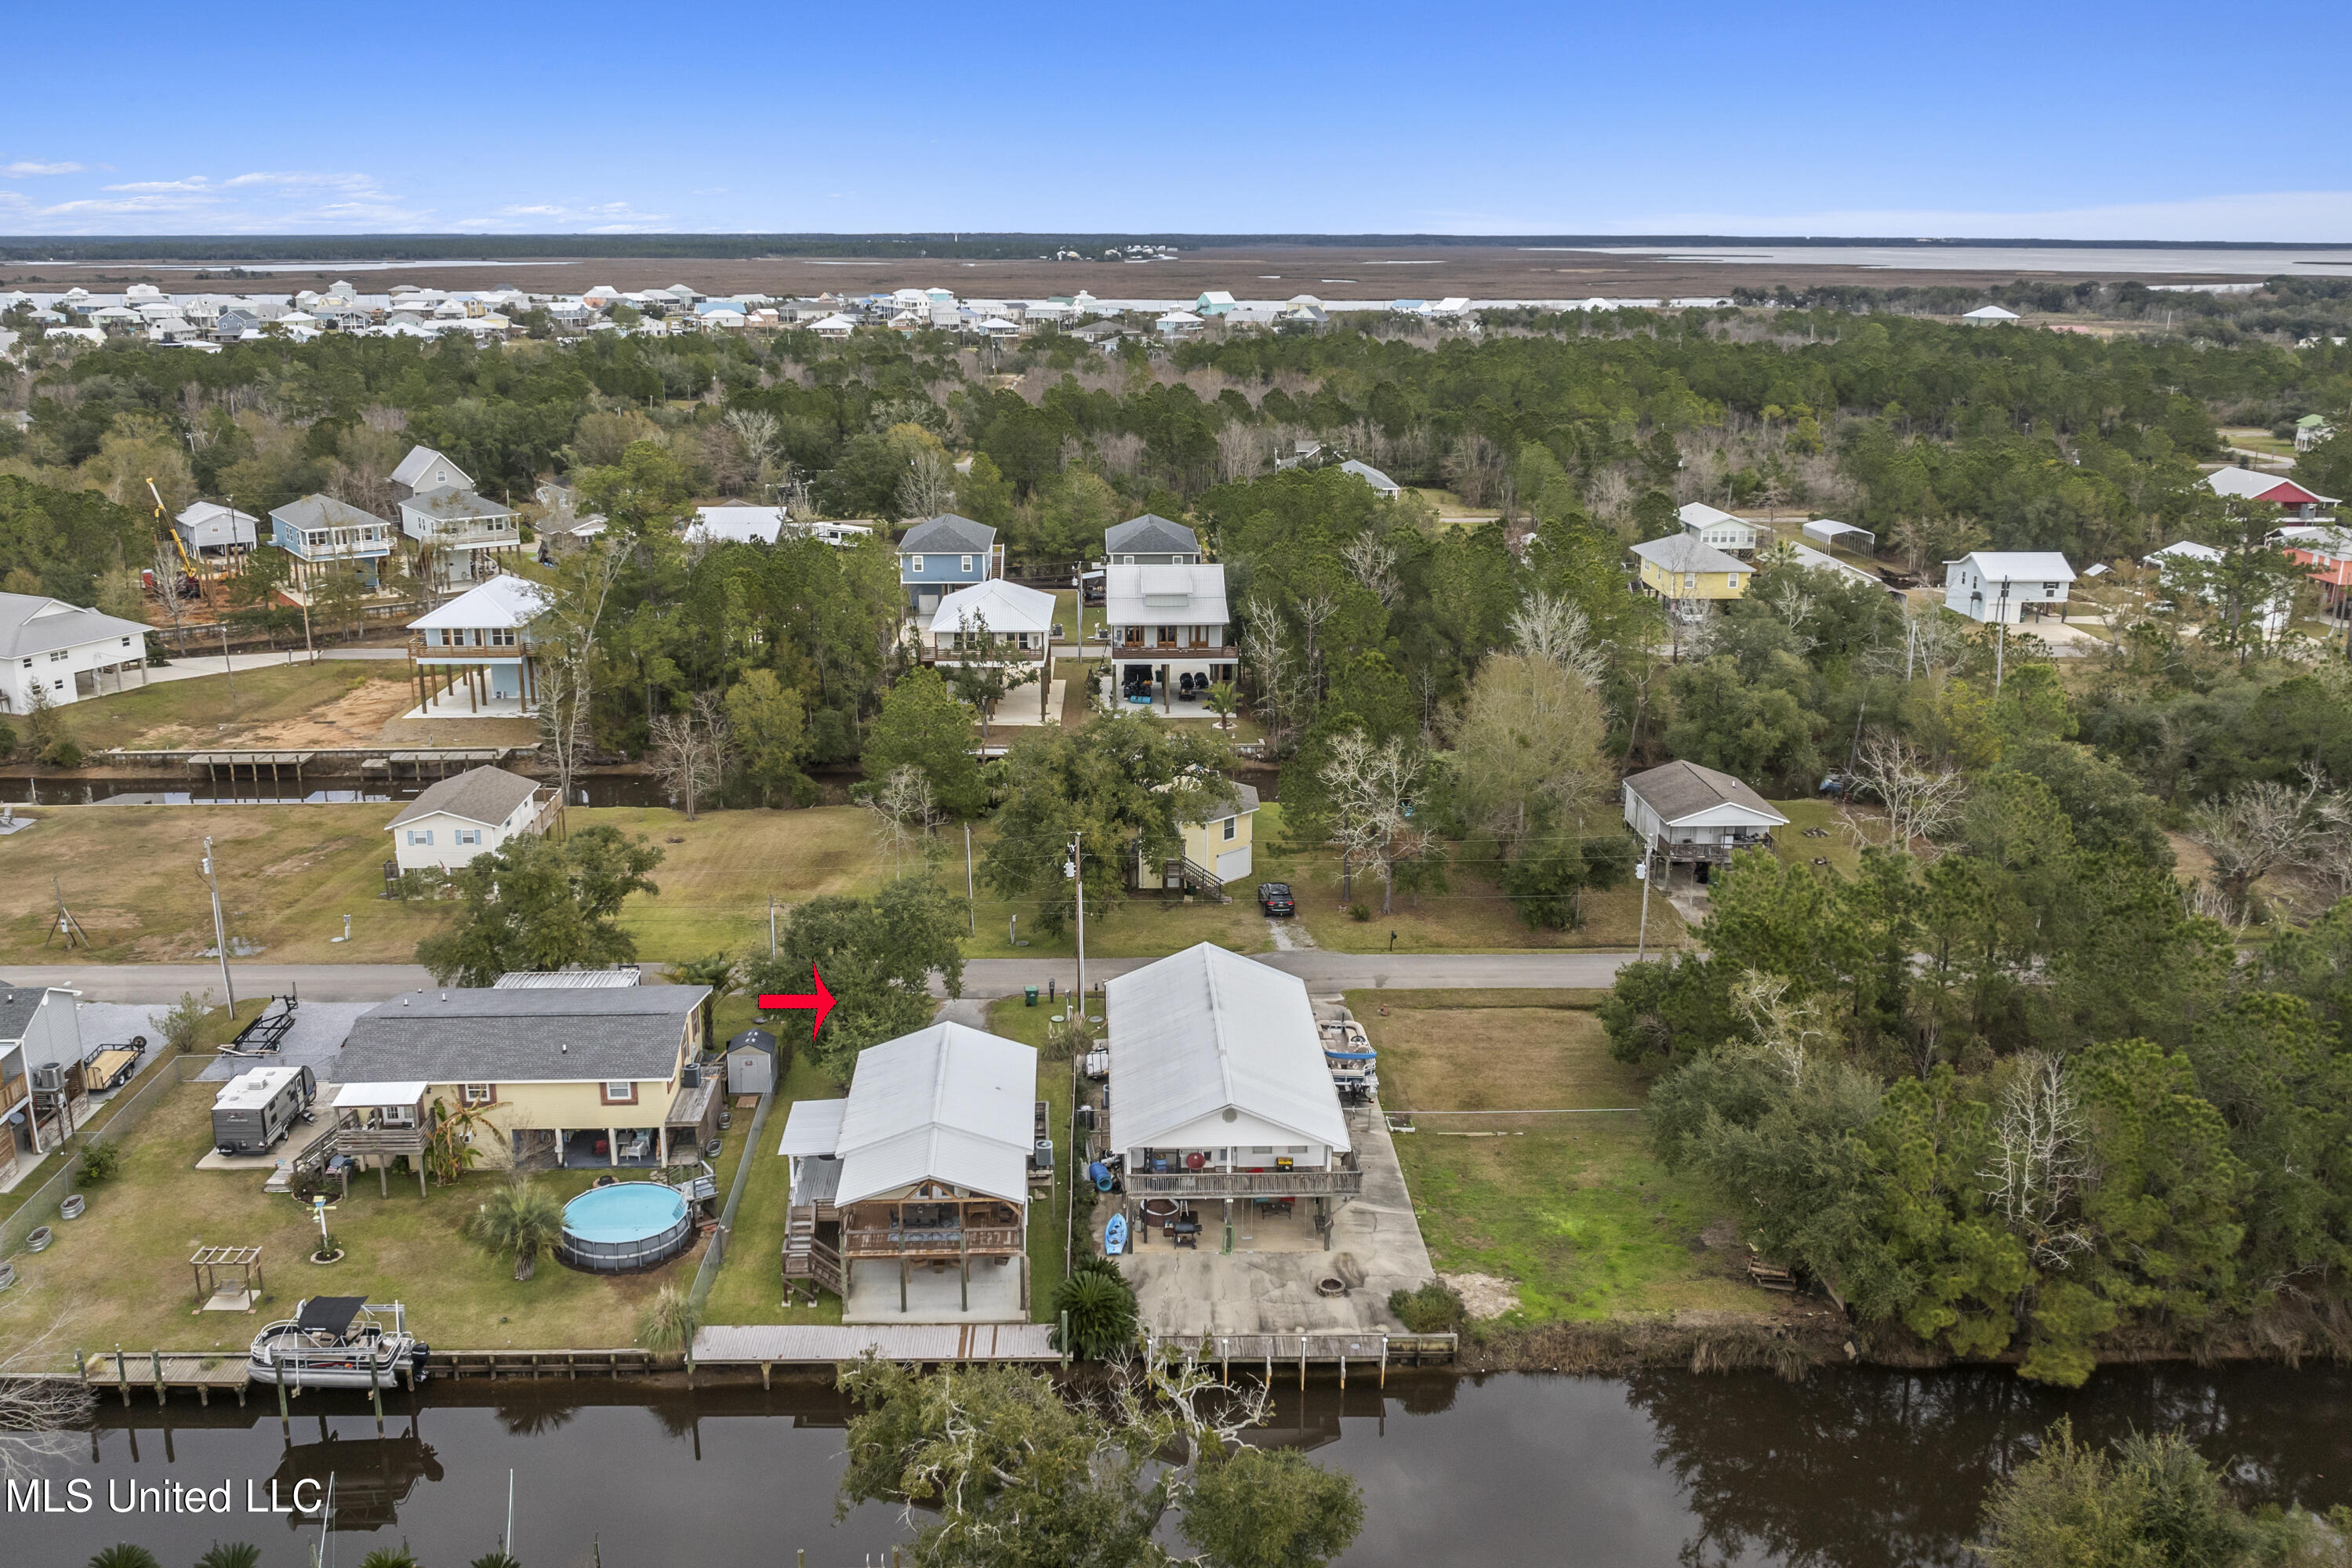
{"x":770,"y":1345}
{"x":162,"y":1371}
{"x":1271,"y":1354}
{"x":1244,"y":1183}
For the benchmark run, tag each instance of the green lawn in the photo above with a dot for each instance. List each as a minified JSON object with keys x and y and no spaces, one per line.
{"x":1572,"y":1210}
{"x":1839,"y":849}
{"x":751,"y":1285}
{"x":1048,"y":1217}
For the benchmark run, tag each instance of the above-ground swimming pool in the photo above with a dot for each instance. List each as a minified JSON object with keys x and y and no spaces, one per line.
{"x":631,"y":1225}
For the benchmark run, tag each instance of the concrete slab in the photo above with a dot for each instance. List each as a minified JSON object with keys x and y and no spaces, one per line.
{"x":934,"y":1298}
{"x":1376,"y":1248}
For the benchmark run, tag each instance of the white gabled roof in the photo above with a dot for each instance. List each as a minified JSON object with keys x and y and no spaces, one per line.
{"x":949,"y":1104}
{"x":1989,"y":313}
{"x":30,"y":623}
{"x":2250,"y":484}
{"x":2017,"y":565}
{"x":1007,"y":607}
{"x":505,"y":600}
{"x":1208,"y":1030}
{"x":1185,"y":595}
{"x":813,"y":1129}
{"x":1698,"y":514}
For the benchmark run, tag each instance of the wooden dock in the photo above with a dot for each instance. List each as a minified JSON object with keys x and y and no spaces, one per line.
{"x":163,"y":1371}
{"x":324,"y":762}
{"x":1270,"y":1353}
{"x":771,"y":1346}
{"x":564,"y":1363}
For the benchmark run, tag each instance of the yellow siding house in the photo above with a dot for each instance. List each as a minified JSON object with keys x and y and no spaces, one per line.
{"x":1682,"y":566}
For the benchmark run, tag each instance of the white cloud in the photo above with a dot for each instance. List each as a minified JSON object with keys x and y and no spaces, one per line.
{"x":597,"y":218}
{"x":25,"y":168}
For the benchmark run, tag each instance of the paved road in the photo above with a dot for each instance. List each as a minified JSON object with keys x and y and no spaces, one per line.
{"x":983,"y":977}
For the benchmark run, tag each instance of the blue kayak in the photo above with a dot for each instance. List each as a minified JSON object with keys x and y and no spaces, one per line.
{"x":1115,"y":1236}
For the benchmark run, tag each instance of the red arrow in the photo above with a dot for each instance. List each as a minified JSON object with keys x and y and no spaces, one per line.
{"x":821,"y":1000}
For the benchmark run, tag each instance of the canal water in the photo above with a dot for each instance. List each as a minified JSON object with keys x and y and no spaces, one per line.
{"x":179,"y":789}
{"x":1853,"y":1468}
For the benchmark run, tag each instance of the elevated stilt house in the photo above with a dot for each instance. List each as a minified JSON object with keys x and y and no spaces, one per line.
{"x":910,"y":1196}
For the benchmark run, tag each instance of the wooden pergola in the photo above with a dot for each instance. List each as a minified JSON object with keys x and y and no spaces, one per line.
{"x":209,"y":1261}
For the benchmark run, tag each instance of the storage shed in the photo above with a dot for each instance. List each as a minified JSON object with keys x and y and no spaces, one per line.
{"x":751,"y":1063}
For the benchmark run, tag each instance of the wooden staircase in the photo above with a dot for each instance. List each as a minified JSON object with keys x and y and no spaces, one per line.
{"x":809,"y":1258}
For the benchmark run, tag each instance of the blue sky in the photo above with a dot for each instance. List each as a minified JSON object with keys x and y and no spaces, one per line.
{"x":2062,"y":120}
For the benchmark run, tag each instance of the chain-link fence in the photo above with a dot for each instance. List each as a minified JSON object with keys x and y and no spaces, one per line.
{"x":111,"y":1120}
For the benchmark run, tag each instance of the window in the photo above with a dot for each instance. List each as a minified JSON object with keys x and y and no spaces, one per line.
{"x":502,"y":637}
{"x":478,"y":1093}
{"x":1232,"y":828}
{"x":621,"y":1092}
{"x":1731,"y":579}
{"x":914,"y":565}
{"x":126,"y":642}
{"x":967,"y":564}
{"x":469,"y":835}
{"x":2050,"y":588}
{"x":62,"y":655}
{"x":415,"y":836}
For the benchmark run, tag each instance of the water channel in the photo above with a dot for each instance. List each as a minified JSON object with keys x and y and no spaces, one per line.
{"x":1851,"y":1468}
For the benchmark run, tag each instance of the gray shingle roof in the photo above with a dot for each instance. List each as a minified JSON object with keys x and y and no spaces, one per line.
{"x":1149,"y":534}
{"x":484,"y":794}
{"x":1679,"y":789}
{"x":947,"y":533}
{"x":324,"y":511}
{"x":572,"y":1034}
{"x":30,"y":625}
{"x":1687,"y":553}
{"x":17,"y":1006}
{"x":450,"y":501}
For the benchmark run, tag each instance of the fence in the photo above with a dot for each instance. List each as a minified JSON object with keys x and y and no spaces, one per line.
{"x":115,"y":1117}
{"x":715,"y":1254}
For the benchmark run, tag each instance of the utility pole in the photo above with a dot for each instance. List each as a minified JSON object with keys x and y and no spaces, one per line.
{"x":1076,"y":869}
{"x":1999,"y":635}
{"x":229,"y":670}
{"x":772,"y":925}
{"x":220,"y":930}
{"x":1641,"y":941}
{"x":970,"y":894}
{"x":1910,"y":652}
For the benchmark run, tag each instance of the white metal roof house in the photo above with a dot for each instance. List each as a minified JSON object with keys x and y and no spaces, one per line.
{"x":1989,"y":315}
{"x":735,"y":525}
{"x":1687,"y":812}
{"x":472,"y":814}
{"x":208,"y":526}
{"x":2002,"y":585}
{"x":480,"y":641}
{"x":923,"y":1166}
{"x":64,"y":650}
{"x":1219,"y":1089}
{"x":1734,"y":535}
{"x":1004,"y":609}
{"x":1372,"y":477}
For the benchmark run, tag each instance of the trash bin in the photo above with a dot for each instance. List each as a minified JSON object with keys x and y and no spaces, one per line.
{"x":1031,"y":997}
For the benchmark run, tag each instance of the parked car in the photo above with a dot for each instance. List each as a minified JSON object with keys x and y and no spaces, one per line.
{"x":1274,"y":899}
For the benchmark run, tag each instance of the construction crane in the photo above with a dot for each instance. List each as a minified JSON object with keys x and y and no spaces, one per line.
{"x":190,"y":580}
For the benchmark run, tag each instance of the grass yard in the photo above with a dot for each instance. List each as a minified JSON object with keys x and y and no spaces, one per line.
{"x":1048,"y":1216}
{"x":336,"y":702}
{"x":750,"y":1286}
{"x":287,"y":876}
{"x":1839,"y":849}
{"x":120,"y":1275}
{"x":289,"y":873}
{"x":1573,"y":1210}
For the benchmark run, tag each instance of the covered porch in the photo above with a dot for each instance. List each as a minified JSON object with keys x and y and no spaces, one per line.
{"x":919,"y":1251}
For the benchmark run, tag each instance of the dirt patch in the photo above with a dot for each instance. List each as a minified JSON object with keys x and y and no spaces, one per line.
{"x":1483,"y":1294}
{"x":353,"y":719}
{"x":459,"y":733}
{"x":304,"y":862}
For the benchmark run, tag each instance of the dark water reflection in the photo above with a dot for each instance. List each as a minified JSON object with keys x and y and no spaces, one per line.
{"x":1845,"y":1470}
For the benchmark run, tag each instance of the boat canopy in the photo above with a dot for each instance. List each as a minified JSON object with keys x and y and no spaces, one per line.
{"x":330,"y":1314}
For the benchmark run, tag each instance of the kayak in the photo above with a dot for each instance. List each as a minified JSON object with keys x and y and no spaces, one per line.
{"x":1115,"y":1236}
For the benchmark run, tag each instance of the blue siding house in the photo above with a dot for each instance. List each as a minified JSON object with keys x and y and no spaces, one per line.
{"x":944,"y":553}
{"x":324,"y":535}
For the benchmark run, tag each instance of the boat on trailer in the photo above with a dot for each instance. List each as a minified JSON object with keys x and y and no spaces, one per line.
{"x":337,"y":1342}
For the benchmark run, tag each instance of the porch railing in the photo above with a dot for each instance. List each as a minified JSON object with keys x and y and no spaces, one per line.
{"x":942,"y":1242}
{"x":1246,"y":1184}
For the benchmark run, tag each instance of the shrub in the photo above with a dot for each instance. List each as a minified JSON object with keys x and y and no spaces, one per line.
{"x":7,"y":740}
{"x":669,"y":1321}
{"x":63,"y":754}
{"x":1359,"y":911}
{"x":234,"y":1554}
{"x":1435,"y":1309}
{"x":99,"y":1161}
{"x":123,"y":1555}
{"x":183,"y":1022}
{"x":1097,"y":1307}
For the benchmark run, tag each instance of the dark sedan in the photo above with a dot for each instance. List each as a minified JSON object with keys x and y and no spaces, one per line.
{"x":1274,"y":899}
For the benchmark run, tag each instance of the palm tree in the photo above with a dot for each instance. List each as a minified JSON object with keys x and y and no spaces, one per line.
{"x":390,"y":1557}
{"x":521,"y":1218}
{"x":1223,"y":702}
{"x":122,"y":1555}
{"x":669,"y":1321}
{"x":238,"y":1554}
{"x":717,"y":971}
{"x":1098,"y":1306}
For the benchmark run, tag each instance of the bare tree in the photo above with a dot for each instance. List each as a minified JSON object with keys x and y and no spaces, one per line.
{"x":1266,"y":652}
{"x":1923,"y":799}
{"x":904,"y":812}
{"x":986,"y":667}
{"x":1242,"y":451}
{"x":928,"y":487}
{"x":563,"y":647}
{"x":1371,"y":786}
{"x":1782,"y":1034}
{"x":1555,"y":630}
{"x":1373,"y":564}
{"x":1313,"y":612}
{"x":2041,"y":1159}
{"x":690,"y":749}
{"x":41,"y":1420}
{"x":2254,"y":830}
